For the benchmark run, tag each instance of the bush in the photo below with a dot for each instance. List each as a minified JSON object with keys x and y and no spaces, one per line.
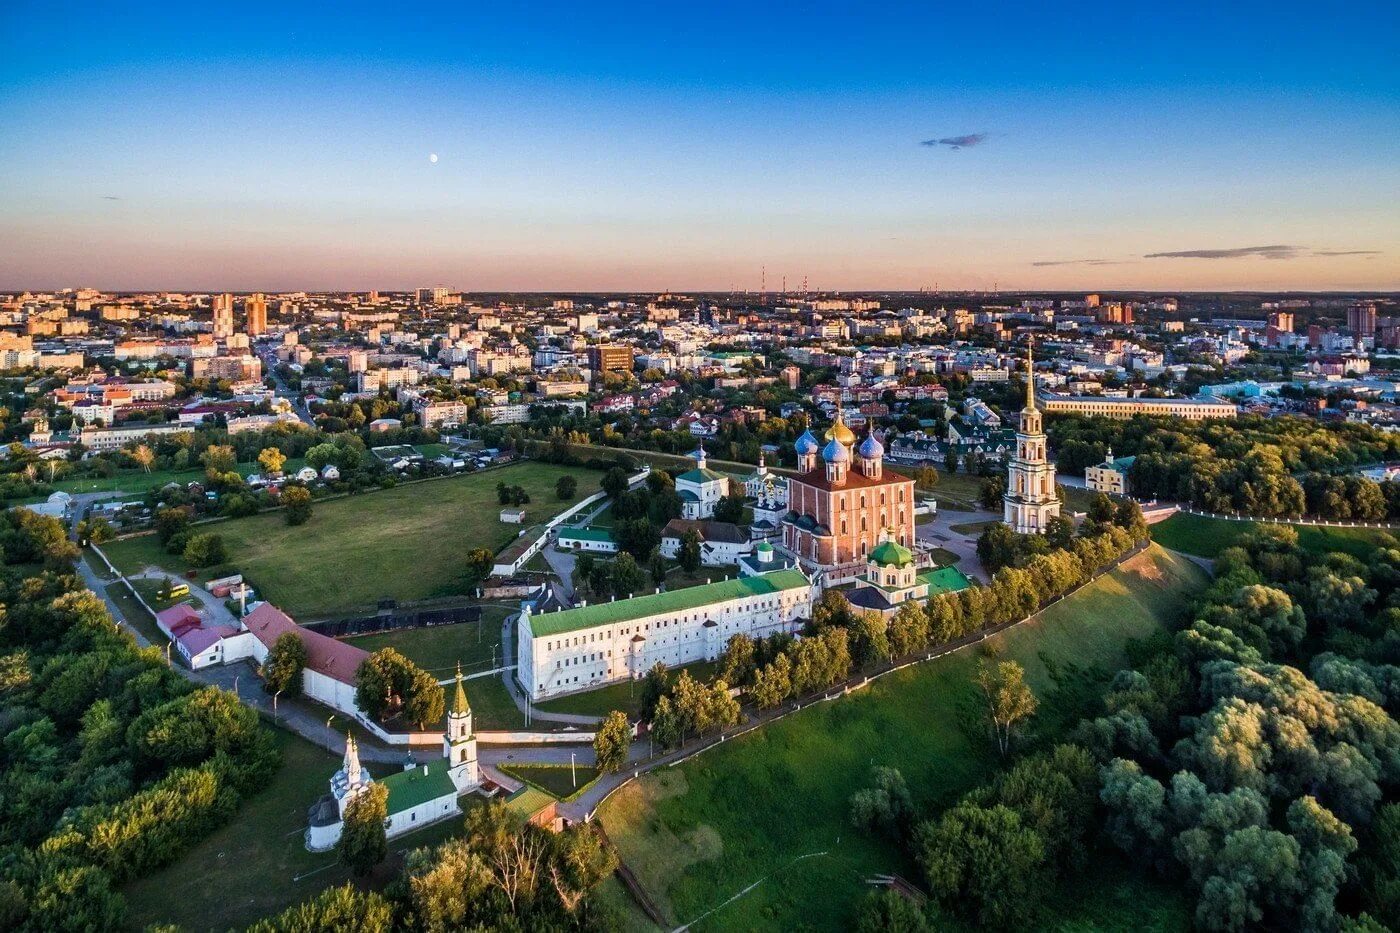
{"x":205,"y":550}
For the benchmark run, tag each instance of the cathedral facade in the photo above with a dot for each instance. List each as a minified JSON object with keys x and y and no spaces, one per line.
{"x":843,"y":502}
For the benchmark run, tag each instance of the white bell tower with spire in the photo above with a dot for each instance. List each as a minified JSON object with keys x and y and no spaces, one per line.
{"x":1031,"y":498}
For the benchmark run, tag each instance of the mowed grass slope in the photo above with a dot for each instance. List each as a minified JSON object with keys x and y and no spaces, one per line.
{"x":406,"y":543}
{"x":1207,"y":537}
{"x":773,"y":805}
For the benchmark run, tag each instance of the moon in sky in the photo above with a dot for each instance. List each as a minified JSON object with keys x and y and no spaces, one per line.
{"x":432,"y":157}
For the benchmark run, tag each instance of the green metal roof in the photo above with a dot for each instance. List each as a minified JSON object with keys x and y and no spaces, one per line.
{"x":891,"y":554}
{"x":586,"y":534}
{"x":700,"y":476}
{"x":408,"y":789}
{"x":692,"y":597}
{"x":945,"y":580}
{"x":528,"y":801}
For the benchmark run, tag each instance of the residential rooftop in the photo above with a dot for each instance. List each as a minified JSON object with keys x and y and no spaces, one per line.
{"x":640,"y":607}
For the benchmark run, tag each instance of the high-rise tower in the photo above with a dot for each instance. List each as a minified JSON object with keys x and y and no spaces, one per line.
{"x":1031,"y":499}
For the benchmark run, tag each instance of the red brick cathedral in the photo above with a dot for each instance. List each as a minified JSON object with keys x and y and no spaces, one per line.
{"x":843,"y":498}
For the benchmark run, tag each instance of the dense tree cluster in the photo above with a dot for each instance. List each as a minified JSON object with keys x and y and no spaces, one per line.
{"x":1254,"y":465}
{"x":389,"y":685}
{"x":1228,"y":767}
{"x":111,"y":764}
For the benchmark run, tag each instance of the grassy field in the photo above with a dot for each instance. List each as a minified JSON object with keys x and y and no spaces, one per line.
{"x":559,"y":781}
{"x":406,"y":543}
{"x":626,"y":695}
{"x":1207,"y":537}
{"x":441,"y":648}
{"x":772,"y":806}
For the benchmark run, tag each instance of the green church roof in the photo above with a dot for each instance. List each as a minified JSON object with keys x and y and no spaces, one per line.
{"x":408,"y":789}
{"x":700,"y":476}
{"x":891,"y":554}
{"x":945,"y":580}
{"x":639,"y":607}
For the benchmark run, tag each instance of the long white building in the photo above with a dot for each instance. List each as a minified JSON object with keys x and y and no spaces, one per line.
{"x":1190,"y":409}
{"x":589,"y":646}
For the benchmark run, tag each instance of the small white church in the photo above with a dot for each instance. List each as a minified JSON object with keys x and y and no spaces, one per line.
{"x":418,"y":795}
{"x":700,"y":489}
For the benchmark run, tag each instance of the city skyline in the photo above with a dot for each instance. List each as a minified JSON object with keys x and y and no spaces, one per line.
{"x":1100,"y":150}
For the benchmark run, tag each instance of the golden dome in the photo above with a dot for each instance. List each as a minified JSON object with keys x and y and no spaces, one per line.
{"x":840,"y":433}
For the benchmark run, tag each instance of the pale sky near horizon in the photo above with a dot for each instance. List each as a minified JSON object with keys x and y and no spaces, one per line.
{"x":608,"y":148}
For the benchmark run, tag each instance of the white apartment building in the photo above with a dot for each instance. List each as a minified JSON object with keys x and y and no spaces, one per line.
{"x":589,"y":646}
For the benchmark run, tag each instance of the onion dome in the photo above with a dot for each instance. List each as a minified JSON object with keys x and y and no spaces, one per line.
{"x":871,"y":448}
{"x":891,"y":554}
{"x":835,"y":452}
{"x":840,"y":433}
{"x":806,"y":444}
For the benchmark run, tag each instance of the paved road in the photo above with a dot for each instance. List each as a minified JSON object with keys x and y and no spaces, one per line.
{"x":939,"y":533}
{"x":518,"y":696}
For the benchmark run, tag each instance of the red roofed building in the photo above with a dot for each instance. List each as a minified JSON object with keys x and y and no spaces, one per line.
{"x":331,"y":664}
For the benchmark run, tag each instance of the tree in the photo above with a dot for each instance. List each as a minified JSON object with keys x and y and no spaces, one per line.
{"x":627,"y":577}
{"x":1009,"y":699}
{"x":143,"y":457}
{"x":271,"y":460}
{"x":611,"y":742}
{"x":566,"y":487}
{"x":170,"y":522}
{"x":926,"y":477}
{"x":721,"y":710}
{"x":479,"y":564}
{"x":889,"y":911}
{"x":772,"y":683}
{"x":736,"y":665}
{"x":387,"y":682}
{"x":730,"y":509}
{"x":285,"y":662}
{"x":614,"y":482}
{"x":667,"y":728}
{"x":322,"y":456}
{"x":296,"y":502}
{"x":334,"y":910}
{"x":363,"y":843}
{"x":983,"y":863}
{"x":689,"y":555}
{"x":219,"y":458}
{"x":909,"y":629}
{"x":870,"y":640}
{"x":886,"y":806}
{"x":996,"y":548}
{"x":655,"y":685}
{"x":205,"y":550}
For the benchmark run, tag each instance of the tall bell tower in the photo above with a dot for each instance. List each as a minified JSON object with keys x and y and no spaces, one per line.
{"x":459,"y":742}
{"x":1031,"y":499}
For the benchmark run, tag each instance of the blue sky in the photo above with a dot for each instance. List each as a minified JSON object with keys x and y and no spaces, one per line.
{"x":685,"y":148}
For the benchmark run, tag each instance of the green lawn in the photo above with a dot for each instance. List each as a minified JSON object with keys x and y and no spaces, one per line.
{"x":749,"y":809}
{"x":136,"y":614}
{"x":560,"y":781}
{"x":625,"y":695}
{"x":406,"y":543}
{"x":956,"y":492}
{"x":943,"y":557}
{"x":257,"y":864}
{"x":493,"y":708}
{"x":1207,"y":537}
{"x":441,"y":648}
